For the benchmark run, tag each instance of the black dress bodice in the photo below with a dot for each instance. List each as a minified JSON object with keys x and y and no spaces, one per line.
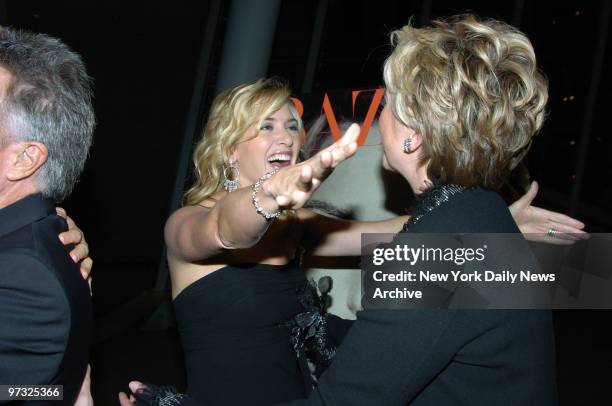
{"x":233,"y":329}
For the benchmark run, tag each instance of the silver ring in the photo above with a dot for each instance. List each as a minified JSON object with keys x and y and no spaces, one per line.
{"x":552,"y":232}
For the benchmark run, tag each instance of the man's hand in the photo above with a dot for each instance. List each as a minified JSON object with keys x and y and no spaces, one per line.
{"x":80,"y":253}
{"x":536,"y":223}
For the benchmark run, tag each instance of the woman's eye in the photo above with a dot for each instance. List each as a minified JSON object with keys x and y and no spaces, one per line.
{"x":293,"y":128}
{"x":266,"y":127}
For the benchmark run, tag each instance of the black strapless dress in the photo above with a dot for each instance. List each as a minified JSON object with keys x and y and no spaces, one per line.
{"x":233,"y":328}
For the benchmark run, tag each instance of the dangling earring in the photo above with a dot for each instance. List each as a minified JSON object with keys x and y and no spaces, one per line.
{"x":407,"y":145}
{"x":231,"y":184}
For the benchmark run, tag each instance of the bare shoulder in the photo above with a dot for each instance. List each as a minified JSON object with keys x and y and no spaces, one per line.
{"x":184,"y":219}
{"x":184,"y":214}
{"x":179,"y":217}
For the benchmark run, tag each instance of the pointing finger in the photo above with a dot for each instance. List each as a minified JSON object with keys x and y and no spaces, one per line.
{"x":305,"y":181}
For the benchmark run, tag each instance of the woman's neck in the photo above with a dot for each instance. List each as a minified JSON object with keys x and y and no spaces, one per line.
{"x":417,"y":177}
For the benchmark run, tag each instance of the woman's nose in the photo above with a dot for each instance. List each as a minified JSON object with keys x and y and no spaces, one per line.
{"x":285,"y":137}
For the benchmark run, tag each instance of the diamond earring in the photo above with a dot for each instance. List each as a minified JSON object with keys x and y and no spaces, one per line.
{"x":407,"y":145}
{"x":231,"y":184}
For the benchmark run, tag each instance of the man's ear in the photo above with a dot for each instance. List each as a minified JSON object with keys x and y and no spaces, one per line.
{"x":26,"y":158}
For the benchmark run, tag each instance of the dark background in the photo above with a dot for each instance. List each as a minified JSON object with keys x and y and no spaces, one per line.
{"x":144,"y":56}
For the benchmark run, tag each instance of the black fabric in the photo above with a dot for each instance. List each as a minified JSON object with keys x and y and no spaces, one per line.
{"x":310,"y":336}
{"x":337,"y":328}
{"x":235,"y":337}
{"x":446,"y":357}
{"x":153,"y":395}
{"x":45,"y":305}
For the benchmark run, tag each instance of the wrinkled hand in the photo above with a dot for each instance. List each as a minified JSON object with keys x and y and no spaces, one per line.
{"x":84,"y":398}
{"x":535,"y":222}
{"x":135,"y":387}
{"x":80,"y":253}
{"x":291,"y":187}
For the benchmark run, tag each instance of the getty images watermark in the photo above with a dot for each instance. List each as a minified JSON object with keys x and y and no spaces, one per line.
{"x":486,"y":271}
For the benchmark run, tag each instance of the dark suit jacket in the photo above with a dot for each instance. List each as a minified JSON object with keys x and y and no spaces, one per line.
{"x":45,"y":305}
{"x":446,"y":357}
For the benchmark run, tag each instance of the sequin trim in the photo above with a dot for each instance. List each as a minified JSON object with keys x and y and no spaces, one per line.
{"x":432,"y":199}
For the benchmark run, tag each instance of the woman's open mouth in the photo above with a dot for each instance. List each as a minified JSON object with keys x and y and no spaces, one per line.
{"x":279,"y":160}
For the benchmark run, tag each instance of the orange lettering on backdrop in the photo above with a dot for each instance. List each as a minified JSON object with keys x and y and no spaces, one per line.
{"x":331,"y":117}
{"x":371,"y":114}
{"x":299,"y":108}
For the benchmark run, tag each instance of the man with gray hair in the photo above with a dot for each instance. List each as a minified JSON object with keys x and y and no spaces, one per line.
{"x":46,"y":127}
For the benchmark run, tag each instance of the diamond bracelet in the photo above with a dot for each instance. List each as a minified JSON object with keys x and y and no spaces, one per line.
{"x":254,"y":189}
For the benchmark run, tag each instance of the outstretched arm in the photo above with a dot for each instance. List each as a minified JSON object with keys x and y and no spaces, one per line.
{"x":535,"y":223}
{"x":233,"y":222}
{"x":327,"y":236}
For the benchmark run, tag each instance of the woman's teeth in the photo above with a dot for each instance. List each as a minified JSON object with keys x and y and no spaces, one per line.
{"x":279,"y":160}
{"x":279,"y":157}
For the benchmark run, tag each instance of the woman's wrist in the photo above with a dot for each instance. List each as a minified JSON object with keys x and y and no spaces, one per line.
{"x":264,"y":201}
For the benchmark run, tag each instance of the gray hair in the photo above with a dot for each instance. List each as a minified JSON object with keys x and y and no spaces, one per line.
{"x":48,"y":101}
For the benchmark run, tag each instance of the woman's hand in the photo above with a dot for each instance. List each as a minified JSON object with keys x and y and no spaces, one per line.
{"x":135,"y":387}
{"x":291,"y":187}
{"x":80,"y":252}
{"x":536,"y":223}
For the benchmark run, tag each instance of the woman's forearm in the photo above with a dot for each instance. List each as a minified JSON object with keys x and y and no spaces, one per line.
{"x":238,"y":223}
{"x":326,"y":236}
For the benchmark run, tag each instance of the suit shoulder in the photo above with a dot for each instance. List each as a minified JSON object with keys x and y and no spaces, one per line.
{"x":25,"y":269}
{"x":21,"y":238}
{"x":26,"y":257}
{"x":33,"y":314}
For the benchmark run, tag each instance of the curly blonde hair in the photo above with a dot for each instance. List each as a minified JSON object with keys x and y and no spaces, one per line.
{"x":472,"y":89}
{"x":232,"y":113}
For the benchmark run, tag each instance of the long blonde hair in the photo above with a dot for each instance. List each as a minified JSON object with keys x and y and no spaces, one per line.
{"x":232,"y":113}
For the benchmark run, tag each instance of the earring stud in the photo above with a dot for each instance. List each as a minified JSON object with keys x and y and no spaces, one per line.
{"x":408,"y":145}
